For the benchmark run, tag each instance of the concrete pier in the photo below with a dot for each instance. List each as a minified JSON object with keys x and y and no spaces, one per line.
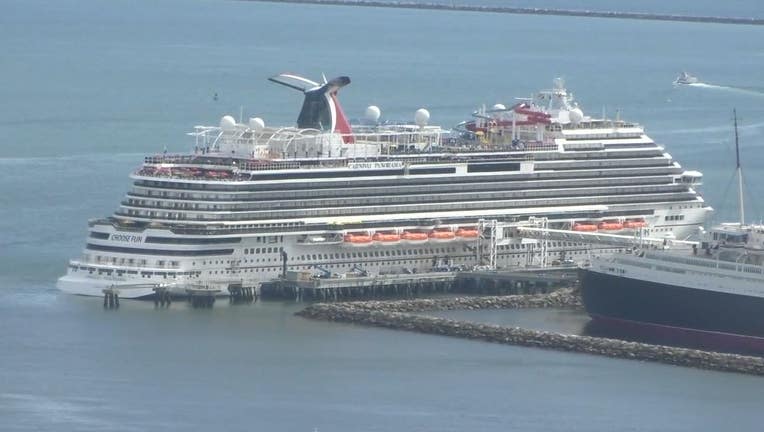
{"x":397,"y":315}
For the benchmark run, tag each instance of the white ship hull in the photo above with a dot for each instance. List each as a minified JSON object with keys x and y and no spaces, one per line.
{"x":78,"y":285}
{"x":252,"y":270}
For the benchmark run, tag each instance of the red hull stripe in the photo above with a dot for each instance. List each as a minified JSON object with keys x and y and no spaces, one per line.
{"x":712,"y":339}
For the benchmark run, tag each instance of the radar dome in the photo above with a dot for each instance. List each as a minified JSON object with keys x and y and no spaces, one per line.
{"x":499,"y":107}
{"x":256,"y":123}
{"x":373,"y":113}
{"x":227,"y":123}
{"x":421,"y":117}
{"x":576,"y":115}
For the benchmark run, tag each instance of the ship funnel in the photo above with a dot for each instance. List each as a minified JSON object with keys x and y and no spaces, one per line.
{"x":320,"y":109}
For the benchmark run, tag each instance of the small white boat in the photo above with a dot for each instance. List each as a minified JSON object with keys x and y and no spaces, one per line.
{"x":685,"y":78}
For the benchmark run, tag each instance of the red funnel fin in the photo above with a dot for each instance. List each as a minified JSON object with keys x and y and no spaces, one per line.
{"x":343,"y":125}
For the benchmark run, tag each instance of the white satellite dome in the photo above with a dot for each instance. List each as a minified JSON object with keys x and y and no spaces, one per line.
{"x":256,"y":123}
{"x":227,"y":123}
{"x":373,"y":113}
{"x":499,"y":107}
{"x":576,"y":115}
{"x":421,"y":117}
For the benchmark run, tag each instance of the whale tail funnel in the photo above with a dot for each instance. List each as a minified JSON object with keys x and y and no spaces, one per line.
{"x":320,"y":109}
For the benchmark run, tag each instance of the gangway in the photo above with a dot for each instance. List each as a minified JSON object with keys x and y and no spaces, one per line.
{"x":536,"y":231}
{"x":620,"y":240}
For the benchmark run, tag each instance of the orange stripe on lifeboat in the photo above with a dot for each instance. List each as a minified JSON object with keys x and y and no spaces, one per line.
{"x":386,"y":237}
{"x":414,"y":235}
{"x":584,"y":227}
{"x":467,"y":232}
{"x":610,"y":225}
{"x":357,"y":238}
{"x":635,"y":223}
{"x":442,"y":234}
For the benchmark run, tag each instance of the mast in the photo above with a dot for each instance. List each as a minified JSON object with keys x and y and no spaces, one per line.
{"x":739,"y":172}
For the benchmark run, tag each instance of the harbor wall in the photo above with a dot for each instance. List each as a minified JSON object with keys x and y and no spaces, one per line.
{"x":529,"y":11}
{"x":399,"y":315}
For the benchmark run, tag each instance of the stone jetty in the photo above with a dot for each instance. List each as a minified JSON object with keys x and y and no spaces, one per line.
{"x":400,"y":315}
{"x":565,"y":297}
{"x":455,"y":6}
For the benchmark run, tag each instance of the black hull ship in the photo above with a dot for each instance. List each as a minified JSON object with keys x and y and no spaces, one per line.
{"x":711,"y":295}
{"x":671,"y":313}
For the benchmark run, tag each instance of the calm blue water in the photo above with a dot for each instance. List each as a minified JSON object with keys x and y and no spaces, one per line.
{"x":89,"y":87}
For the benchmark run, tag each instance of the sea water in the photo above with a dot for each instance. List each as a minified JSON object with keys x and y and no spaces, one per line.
{"x":87,"y":88}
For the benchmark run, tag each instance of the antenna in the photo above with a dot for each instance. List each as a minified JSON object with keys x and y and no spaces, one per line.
{"x":739,"y":171}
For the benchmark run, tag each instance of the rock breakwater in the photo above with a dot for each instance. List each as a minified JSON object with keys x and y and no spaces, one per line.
{"x":527,"y":11}
{"x":564,"y":297}
{"x":400,"y":315}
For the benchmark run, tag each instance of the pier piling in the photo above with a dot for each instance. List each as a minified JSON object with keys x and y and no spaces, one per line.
{"x":110,"y":298}
{"x":237,"y":293}
{"x":202,"y":296}
{"x":162,"y":297}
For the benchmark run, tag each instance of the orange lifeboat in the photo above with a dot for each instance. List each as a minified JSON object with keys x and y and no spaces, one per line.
{"x":635,"y":223}
{"x":610,"y":225}
{"x":584,"y":227}
{"x":358,"y":239}
{"x":467,"y":232}
{"x":414,"y":236}
{"x":386,"y":237}
{"x":442,"y":234}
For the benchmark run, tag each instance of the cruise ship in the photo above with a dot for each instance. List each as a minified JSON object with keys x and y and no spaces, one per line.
{"x":250,"y":202}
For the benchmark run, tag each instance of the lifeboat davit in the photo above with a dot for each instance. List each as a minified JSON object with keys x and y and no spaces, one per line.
{"x":610,"y":225}
{"x":635,"y":223}
{"x":584,"y":227}
{"x":386,"y":237}
{"x":414,"y":236}
{"x":442,"y":234}
{"x":358,"y":239}
{"x":467,"y":232}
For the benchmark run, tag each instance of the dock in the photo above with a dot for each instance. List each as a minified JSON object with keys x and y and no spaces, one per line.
{"x":299,"y":287}
{"x":528,"y":280}
{"x":302,"y":286}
